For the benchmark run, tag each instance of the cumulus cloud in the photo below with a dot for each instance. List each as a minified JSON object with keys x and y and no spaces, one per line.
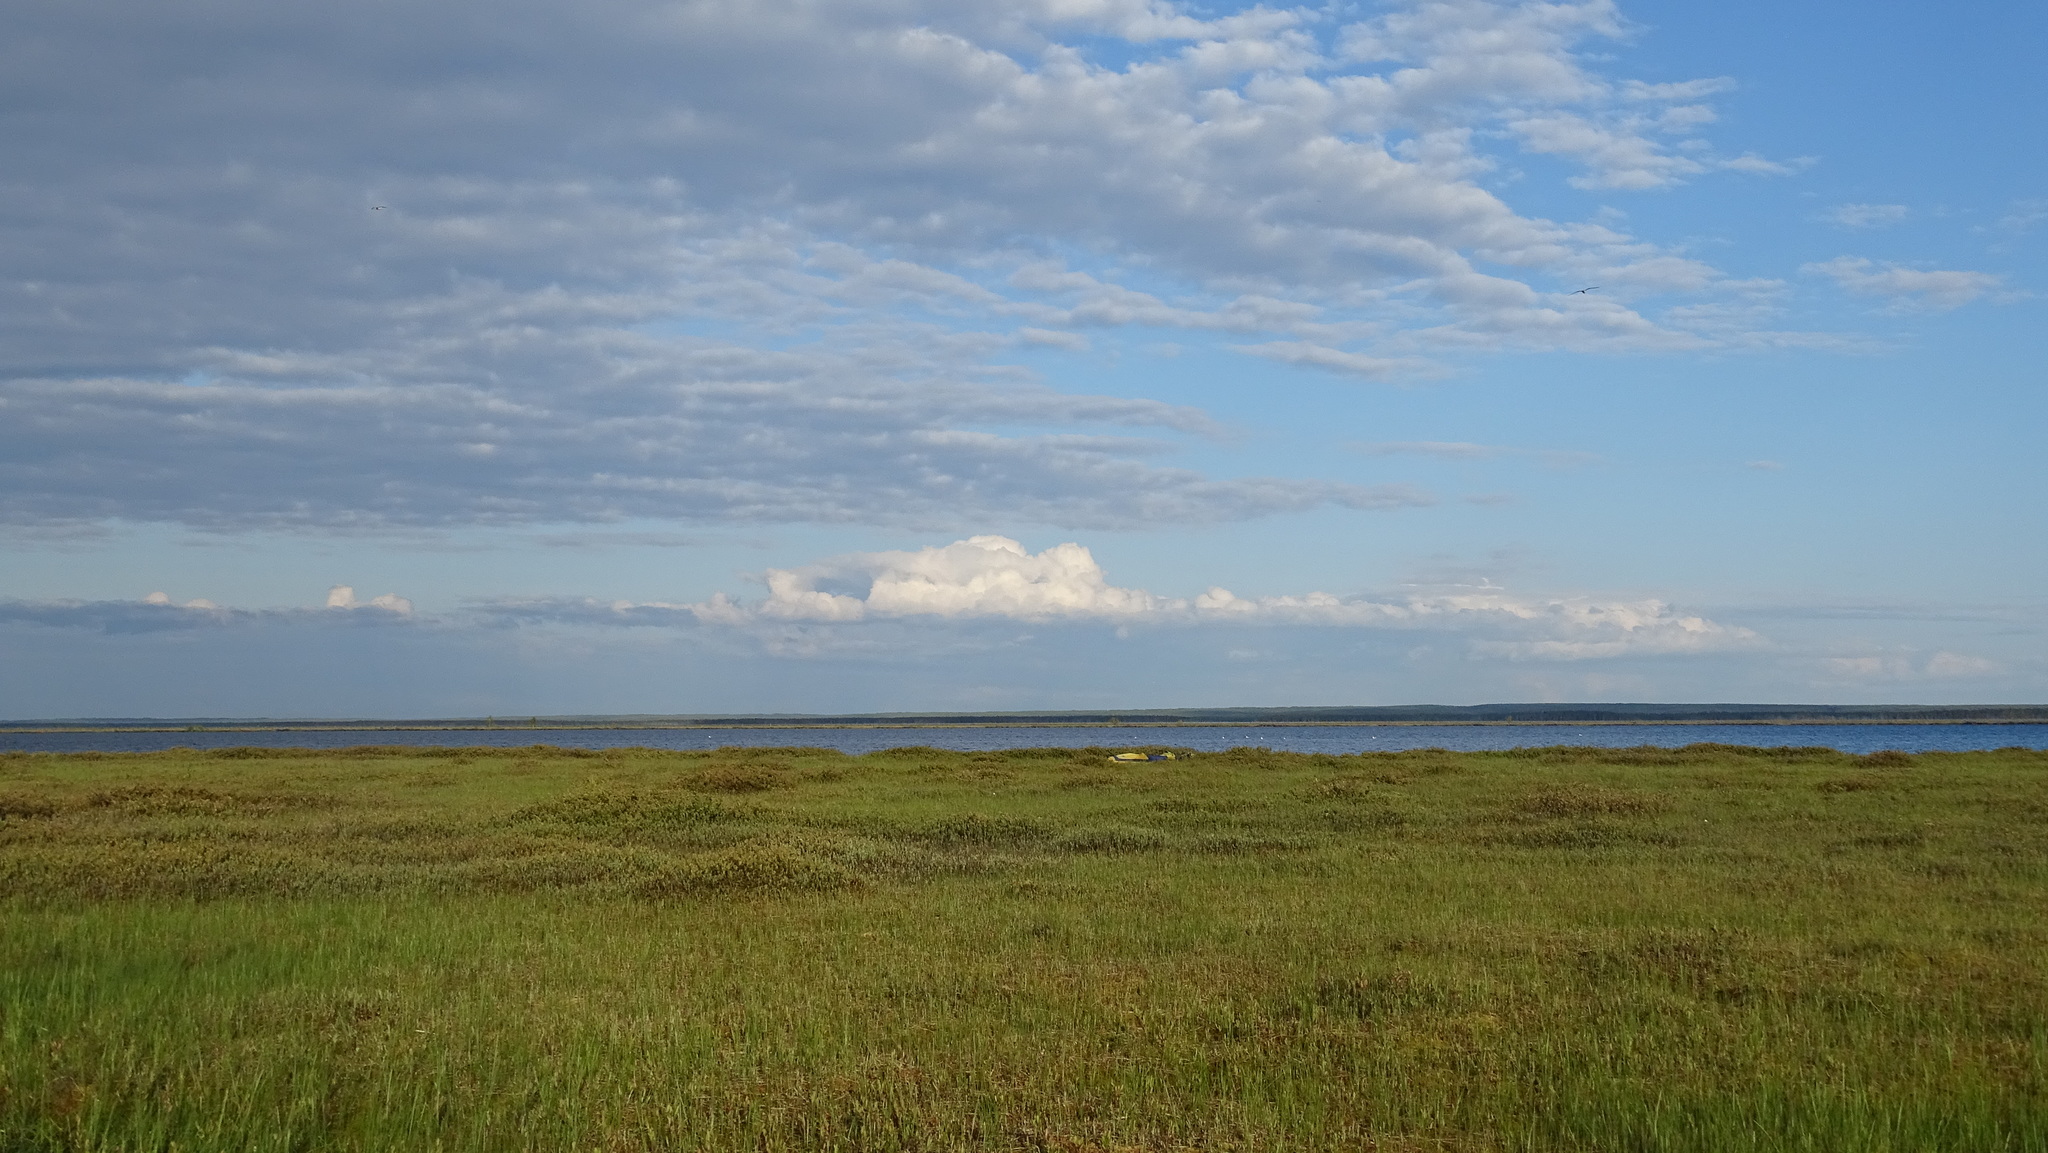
{"x":995,"y":578}
{"x":763,"y":261}
{"x":163,"y":598}
{"x":1907,"y":288}
{"x":344,"y":597}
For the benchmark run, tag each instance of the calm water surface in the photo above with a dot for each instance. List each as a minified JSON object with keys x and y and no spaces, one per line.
{"x":1855,"y":738}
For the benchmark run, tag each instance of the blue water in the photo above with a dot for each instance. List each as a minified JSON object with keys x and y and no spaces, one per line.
{"x":1852,"y":738}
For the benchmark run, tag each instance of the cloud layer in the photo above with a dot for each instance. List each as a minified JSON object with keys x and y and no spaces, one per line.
{"x":1908,"y":289}
{"x":995,"y":578}
{"x":980,"y":581}
{"x":976,"y":624}
{"x":419,"y":265}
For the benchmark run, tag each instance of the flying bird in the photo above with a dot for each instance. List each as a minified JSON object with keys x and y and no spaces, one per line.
{"x":1584,"y":291}
{"x":376,"y":208}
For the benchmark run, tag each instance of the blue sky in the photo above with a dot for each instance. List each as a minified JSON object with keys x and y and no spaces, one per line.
{"x":715,"y":357}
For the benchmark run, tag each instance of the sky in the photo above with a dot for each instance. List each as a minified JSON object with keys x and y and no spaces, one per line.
{"x":641,"y":356}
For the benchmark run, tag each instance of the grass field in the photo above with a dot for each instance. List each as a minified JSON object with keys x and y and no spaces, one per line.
{"x":1710,"y":949}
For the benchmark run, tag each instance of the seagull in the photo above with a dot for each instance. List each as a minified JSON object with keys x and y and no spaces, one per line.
{"x":1583,"y":291}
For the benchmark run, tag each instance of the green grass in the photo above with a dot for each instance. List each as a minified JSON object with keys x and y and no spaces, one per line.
{"x":1712,"y":949}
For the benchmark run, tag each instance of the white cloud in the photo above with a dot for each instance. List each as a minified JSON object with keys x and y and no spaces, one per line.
{"x":344,"y":597}
{"x":763,"y":261}
{"x":164,"y":599}
{"x":1620,"y":155}
{"x":983,"y":576}
{"x":1068,"y":340}
{"x":996,"y":578}
{"x":1867,"y":215}
{"x":157,"y":612}
{"x":1511,"y":58}
{"x":1907,"y":288}
{"x":1335,"y":360}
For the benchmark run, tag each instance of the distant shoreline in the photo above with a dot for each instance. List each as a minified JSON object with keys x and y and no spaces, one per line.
{"x":1494,"y":715}
{"x":373,"y":727}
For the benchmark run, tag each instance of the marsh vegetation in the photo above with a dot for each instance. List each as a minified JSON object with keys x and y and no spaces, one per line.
{"x":1710,"y":948}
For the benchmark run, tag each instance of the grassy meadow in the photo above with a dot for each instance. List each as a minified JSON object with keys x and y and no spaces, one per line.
{"x":1710,"y":949}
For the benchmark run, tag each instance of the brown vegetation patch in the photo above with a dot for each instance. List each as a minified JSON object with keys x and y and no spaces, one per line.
{"x":625,"y":810}
{"x":190,"y":801}
{"x":1111,"y":839}
{"x":745,"y":777}
{"x":1584,"y":835}
{"x":971,"y":830}
{"x":1711,"y":962}
{"x":1093,"y":779}
{"x":759,"y":867}
{"x":1375,"y":998}
{"x":1578,"y":800}
{"x":1248,"y":843}
{"x":18,"y":806}
{"x":1362,"y":819}
{"x":1350,"y":788}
